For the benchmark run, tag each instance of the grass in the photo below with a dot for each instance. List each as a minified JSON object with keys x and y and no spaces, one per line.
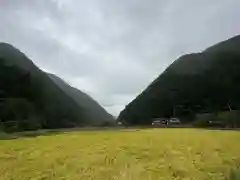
{"x":150,"y":154}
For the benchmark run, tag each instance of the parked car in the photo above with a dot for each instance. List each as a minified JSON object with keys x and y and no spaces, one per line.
{"x":174,"y":121}
{"x":160,"y":122}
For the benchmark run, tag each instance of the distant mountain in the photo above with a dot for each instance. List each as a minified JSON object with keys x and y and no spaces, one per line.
{"x":202,"y":82}
{"x":95,"y":114}
{"x":30,"y":99}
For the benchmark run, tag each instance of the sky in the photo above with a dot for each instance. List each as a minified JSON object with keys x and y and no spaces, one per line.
{"x":113,"y":49}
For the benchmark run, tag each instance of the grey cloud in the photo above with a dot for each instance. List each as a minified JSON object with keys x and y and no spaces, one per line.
{"x":113,"y":49}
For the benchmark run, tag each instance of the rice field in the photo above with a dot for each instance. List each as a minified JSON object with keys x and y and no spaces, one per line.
{"x":150,"y":154}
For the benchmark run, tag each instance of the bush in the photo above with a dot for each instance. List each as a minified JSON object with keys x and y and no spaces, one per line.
{"x":107,"y":124}
{"x":230,"y":118}
{"x":202,"y":120}
{"x":3,"y":135}
{"x":235,"y":175}
{"x":19,"y":114}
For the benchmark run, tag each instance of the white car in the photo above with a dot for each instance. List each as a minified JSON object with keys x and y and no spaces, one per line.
{"x":174,"y":121}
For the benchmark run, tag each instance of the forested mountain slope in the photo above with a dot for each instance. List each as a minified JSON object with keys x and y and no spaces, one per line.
{"x":202,"y":82}
{"x":94,"y":113}
{"x":31,"y":98}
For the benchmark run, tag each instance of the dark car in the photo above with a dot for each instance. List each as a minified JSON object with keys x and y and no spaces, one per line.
{"x":159,"y":122}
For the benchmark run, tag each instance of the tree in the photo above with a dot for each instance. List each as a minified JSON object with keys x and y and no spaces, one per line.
{"x":21,"y":113}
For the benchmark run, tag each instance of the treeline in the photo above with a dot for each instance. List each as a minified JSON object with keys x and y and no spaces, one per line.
{"x":20,"y":99}
{"x":30,"y":100}
{"x":223,"y":119}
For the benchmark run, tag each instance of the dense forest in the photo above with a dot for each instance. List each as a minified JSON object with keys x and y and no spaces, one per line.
{"x":30,"y":99}
{"x":207,"y":82}
{"x":96,"y":115}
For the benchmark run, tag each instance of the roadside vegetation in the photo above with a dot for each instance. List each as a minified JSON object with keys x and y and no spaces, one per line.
{"x":235,"y":174}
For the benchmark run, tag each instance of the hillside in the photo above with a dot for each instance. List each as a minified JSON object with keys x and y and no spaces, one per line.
{"x":30,"y":99}
{"x":95,"y":114}
{"x":194,"y":83}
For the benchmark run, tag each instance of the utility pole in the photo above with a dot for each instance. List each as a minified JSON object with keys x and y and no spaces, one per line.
{"x":2,"y":99}
{"x":1,"y":106}
{"x":229,"y":105}
{"x":175,"y":109}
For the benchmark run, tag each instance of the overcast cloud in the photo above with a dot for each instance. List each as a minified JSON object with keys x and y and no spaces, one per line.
{"x":112,"y":49}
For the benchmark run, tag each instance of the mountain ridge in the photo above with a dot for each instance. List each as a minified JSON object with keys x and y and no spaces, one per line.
{"x":191,"y":81}
{"x":93,"y":109}
{"x":39,"y":92}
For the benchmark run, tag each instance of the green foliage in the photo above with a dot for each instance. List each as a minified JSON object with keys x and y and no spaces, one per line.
{"x":94,"y":113}
{"x":22,"y":114}
{"x":18,"y":94}
{"x":193,"y":84}
{"x":230,"y":118}
{"x":3,"y":135}
{"x":108,"y":124}
{"x":17,"y":108}
{"x":29,"y":99}
{"x":235,"y":175}
{"x":203,"y":120}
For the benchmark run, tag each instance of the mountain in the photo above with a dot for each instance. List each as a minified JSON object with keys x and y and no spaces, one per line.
{"x":96,"y":115}
{"x":195,"y":83}
{"x":30,"y":99}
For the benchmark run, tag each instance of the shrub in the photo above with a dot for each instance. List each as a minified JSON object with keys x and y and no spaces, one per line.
{"x":202,"y":120}
{"x":230,"y":118}
{"x":235,"y":175}
{"x":107,"y":124}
